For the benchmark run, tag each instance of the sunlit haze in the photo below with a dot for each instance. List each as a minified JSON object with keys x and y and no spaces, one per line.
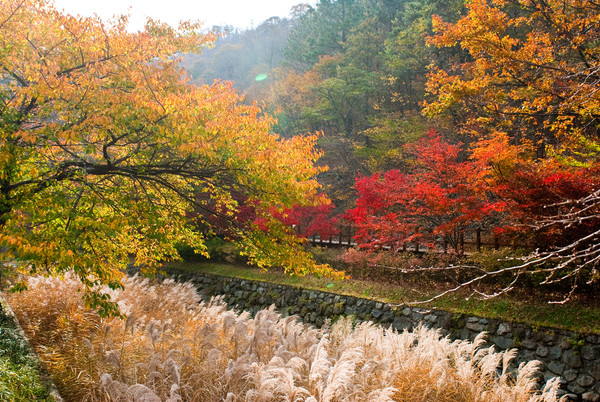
{"x":238,"y":13}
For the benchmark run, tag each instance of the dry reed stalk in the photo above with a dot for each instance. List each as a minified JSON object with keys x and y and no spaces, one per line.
{"x":173,"y":347}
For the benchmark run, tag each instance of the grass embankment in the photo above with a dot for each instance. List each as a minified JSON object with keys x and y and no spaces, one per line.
{"x":19,"y":376}
{"x":527,"y":306}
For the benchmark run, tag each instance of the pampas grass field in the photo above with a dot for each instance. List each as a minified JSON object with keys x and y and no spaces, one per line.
{"x":174,"y":347}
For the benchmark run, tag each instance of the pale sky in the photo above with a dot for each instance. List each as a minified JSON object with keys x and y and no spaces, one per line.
{"x":238,"y":13}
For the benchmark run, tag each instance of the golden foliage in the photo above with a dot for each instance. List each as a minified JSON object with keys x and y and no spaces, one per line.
{"x":530,"y":68}
{"x":104,"y":147}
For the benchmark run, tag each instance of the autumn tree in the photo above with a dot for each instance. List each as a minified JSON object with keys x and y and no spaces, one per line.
{"x":531,"y":79}
{"x":104,"y":147}
{"x":432,"y":204}
{"x":532,"y":71}
{"x":537,"y":194}
{"x":309,"y":221}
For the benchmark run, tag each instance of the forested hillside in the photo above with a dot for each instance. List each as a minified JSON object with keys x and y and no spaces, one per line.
{"x":240,"y":55}
{"x":354,"y":70}
{"x":438,"y":117}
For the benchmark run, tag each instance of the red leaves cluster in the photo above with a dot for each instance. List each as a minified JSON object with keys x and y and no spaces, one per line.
{"x":447,"y":192}
{"x":540,"y":196}
{"x":306,"y":221}
{"x":313,"y":220}
{"x":431,"y":204}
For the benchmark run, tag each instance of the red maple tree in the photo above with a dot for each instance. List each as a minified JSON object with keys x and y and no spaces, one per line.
{"x":432,"y":204}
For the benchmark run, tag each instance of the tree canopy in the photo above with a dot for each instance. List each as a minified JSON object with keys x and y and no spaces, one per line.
{"x":105,"y":150}
{"x":527,"y":93}
{"x":532,"y":72}
{"x":511,"y":86}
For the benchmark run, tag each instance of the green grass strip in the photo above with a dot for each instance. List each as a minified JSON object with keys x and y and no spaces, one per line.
{"x":20,"y":379}
{"x":574,"y":316}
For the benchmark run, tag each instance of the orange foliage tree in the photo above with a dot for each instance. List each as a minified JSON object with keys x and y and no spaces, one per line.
{"x":529,"y":86}
{"x":104,"y":146}
{"x":532,"y":71}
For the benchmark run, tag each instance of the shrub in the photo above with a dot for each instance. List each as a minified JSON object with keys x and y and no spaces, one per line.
{"x":219,"y":250}
{"x":19,"y":376}
{"x":172,"y":346}
{"x":401,"y":266}
{"x":492,"y":260}
{"x":326,"y":255}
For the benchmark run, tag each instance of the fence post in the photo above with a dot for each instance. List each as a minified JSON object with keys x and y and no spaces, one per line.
{"x":349,"y":235}
{"x":496,"y":242}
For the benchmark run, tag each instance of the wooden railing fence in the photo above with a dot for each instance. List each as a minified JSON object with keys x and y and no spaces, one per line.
{"x":469,"y":241}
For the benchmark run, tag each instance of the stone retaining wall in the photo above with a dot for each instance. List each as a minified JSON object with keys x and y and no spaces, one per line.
{"x":573,"y":357}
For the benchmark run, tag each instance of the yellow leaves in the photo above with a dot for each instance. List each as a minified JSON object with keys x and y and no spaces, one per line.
{"x":482,"y":25}
{"x":530,"y":72}
{"x":497,"y":149}
{"x":117,"y":148}
{"x":450,"y":89}
{"x":445,"y":39}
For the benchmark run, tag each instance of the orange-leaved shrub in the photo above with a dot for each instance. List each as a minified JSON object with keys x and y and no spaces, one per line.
{"x":174,"y":347}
